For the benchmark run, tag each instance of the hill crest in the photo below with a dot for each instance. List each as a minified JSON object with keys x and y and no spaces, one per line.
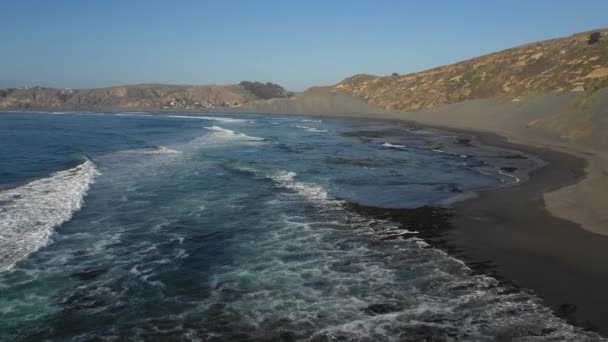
{"x":145,"y":97}
{"x":576,"y":63}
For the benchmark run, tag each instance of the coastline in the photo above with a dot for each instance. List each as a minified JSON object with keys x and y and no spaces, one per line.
{"x":529,"y":246}
{"x":513,"y":236}
{"x":510,"y":233}
{"x":513,"y":233}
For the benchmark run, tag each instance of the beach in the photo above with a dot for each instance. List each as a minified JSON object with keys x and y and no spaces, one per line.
{"x":510,"y":234}
{"x":548,"y":234}
{"x":316,"y":250}
{"x":516,"y":234}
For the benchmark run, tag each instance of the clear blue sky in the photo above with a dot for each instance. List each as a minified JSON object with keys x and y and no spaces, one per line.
{"x":83,"y":44}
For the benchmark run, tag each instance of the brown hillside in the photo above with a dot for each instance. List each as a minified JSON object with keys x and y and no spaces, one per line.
{"x":575,"y":63}
{"x":132,"y":97}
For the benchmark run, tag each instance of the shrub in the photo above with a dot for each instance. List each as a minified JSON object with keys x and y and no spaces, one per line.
{"x":594,"y":38}
{"x":264,"y":91}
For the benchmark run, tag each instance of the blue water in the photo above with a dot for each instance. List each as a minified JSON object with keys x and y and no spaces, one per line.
{"x":241,"y":228}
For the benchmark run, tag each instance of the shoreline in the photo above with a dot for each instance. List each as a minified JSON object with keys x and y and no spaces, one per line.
{"x":510,"y":233}
{"x":528,"y":246}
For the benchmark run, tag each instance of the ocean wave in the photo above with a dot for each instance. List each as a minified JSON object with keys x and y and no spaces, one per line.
{"x":231,"y":135}
{"x":496,"y":173}
{"x":515,"y":178}
{"x":392,"y":146}
{"x":156,"y":150}
{"x":311,"y":129}
{"x":29,"y":213}
{"x":351,"y":291}
{"x":162,"y":150}
{"x":212,"y":118}
{"x":133,"y":114}
{"x":310,"y":191}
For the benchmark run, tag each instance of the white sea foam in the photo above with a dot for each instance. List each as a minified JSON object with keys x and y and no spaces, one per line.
{"x":29,"y":213}
{"x":311,"y":129}
{"x":231,"y":135}
{"x":162,"y":150}
{"x":213,"y":118}
{"x":492,"y":173}
{"x":308,"y":279}
{"x":133,"y":114}
{"x":310,"y":191}
{"x":157,"y":150}
{"x":515,"y":178}
{"x":392,"y":146}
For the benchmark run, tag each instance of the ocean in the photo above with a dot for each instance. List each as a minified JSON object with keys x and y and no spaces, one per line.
{"x":133,"y":226}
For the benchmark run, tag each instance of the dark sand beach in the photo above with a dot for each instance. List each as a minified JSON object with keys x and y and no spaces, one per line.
{"x":508,"y":233}
{"x":549,"y":233}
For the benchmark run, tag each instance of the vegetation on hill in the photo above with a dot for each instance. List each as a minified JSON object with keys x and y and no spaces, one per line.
{"x":577,"y":63}
{"x":144,"y":97}
{"x":265,"y":91}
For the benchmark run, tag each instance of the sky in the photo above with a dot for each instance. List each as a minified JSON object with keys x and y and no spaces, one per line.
{"x":298,"y":44}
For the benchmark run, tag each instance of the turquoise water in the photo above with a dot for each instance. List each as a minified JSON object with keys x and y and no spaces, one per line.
{"x":241,"y":228}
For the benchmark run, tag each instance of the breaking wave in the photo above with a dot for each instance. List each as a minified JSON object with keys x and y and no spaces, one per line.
{"x":212,"y":118}
{"x":310,"y":191}
{"x":162,"y":150}
{"x":134,"y":114}
{"x":29,"y":213}
{"x":515,"y":178}
{"x":311,"y":129}
{"x":389,"y":145}
{"x":231,"y":135}
{"x":440,"y":296}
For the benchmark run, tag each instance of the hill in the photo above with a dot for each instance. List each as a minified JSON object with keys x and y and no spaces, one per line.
{"x":142,"y":97}
{"x":314,"y":101}
{"x":578,"y":63}
{"x":551,"y":94}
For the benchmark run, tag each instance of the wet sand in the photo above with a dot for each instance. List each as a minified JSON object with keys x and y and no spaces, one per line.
{"x":509,"y":234}
{"x":549,"y":234}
